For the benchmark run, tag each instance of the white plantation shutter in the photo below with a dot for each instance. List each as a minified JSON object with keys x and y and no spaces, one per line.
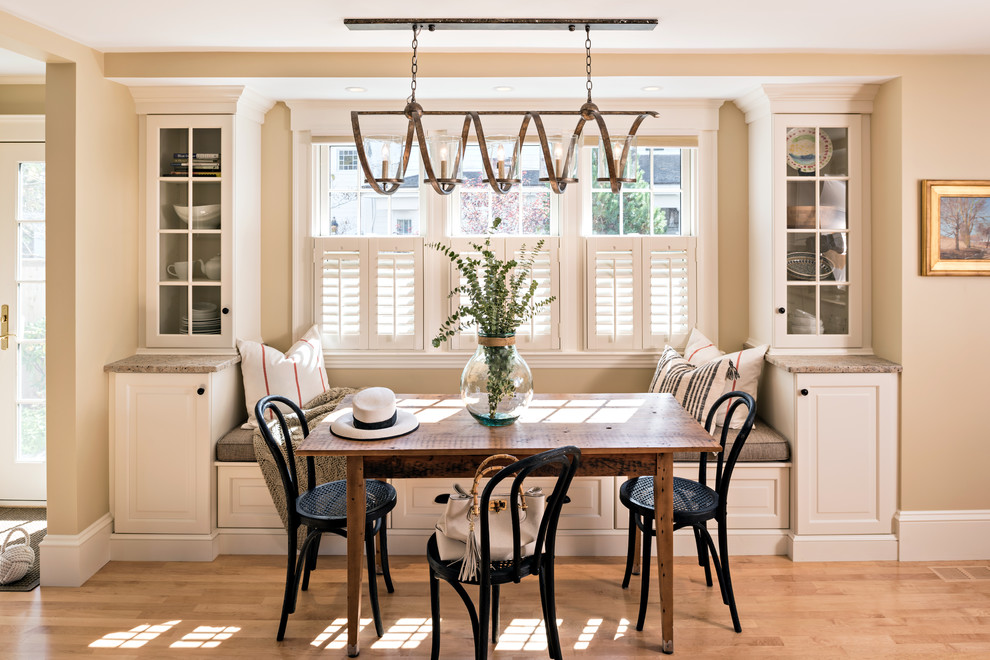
{"x":466,"y":339}
{"x":614,"y":280}
{"x":542,"y":331}
{"x":369,"y":292}
{"x":339,"y":311}
{"x":669,"y":299}
{"x":398,"y":307}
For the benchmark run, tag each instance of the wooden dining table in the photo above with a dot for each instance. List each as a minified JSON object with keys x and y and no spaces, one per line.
{"x":618,"y":434}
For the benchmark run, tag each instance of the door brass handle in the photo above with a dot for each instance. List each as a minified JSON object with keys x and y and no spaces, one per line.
{"x":4,"y":320}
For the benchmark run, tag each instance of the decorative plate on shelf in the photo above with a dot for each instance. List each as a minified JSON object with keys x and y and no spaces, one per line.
{"x":801,"y":266}
{"x":801,"y":149}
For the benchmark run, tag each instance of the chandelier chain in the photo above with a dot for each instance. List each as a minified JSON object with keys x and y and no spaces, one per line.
{"x":587,"y":59}
{"x":415,"y":64}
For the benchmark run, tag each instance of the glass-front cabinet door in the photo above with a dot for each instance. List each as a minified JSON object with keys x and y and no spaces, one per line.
{"x":189,"y":242}
{"x":818,"y":209}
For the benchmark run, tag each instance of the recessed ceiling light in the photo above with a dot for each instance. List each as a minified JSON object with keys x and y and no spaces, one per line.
{"x":503,"y":88}
{"x":652,"y":88}
{"x":356,"y":90}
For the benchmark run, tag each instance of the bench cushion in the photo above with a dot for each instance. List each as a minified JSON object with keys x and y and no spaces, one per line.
{"x":764,"y":443}
{"x":236,"y":446}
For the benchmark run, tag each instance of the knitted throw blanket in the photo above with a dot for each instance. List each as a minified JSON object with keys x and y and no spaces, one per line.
{"x":328,"y":468}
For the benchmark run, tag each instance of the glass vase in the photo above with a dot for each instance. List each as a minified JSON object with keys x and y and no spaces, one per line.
{"x":496,"y":384}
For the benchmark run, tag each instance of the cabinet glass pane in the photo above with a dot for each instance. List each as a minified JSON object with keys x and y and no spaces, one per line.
{"x":205,"y":211}
{"x":173,"y":301}
{"x":205,"y":310}
{"x":837,"y":139}
{"x":173,"y":200}
{"x":174,"y":259}
{"x":801,"y":257}
{"x":801,"y":205}
{"x":173,"y":144}
{"x":833,"y":249}
{"x":206,"y":152}
{"x":206,"y":259}
{"x":833,"y":197}
{"x":801,"y":151}
{"x":802,"y":317}
{"x":835,"y":310}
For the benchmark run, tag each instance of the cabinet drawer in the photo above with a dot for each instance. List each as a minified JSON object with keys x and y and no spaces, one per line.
{"x":591,"y":506}
{"x":243,"y":499}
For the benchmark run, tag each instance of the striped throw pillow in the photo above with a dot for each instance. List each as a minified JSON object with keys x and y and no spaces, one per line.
{"x":696,"y":388}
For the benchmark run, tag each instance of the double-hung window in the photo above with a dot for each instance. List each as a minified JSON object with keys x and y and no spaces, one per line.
{"x":368,"y":256}
{"x":641,"y":265}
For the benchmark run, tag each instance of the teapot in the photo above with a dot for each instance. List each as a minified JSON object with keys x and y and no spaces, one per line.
{"x":211,"y":268}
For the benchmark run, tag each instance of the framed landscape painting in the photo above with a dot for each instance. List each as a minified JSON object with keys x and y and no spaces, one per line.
{"x":955,"y":227}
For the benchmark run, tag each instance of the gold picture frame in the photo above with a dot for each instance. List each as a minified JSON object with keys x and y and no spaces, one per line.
{"x":955,"y":227}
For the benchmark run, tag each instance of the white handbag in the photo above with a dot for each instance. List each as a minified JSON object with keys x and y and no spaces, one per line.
{"x":459,"y":527}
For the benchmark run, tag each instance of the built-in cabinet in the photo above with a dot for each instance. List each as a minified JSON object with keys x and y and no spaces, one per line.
{"x":165,"y":419}
{"x":201,"y":182}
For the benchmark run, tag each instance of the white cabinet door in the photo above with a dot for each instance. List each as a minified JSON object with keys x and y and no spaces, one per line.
{"x":161,"y":453}
{"x":845,"y":455}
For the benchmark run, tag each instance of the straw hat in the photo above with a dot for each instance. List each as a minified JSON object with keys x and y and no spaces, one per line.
{"x":373,"y":416}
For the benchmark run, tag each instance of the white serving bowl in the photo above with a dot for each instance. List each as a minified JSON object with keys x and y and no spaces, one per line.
{"x":204,"y":217}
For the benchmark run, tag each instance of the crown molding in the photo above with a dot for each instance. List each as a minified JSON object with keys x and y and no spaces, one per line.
{"x":201,"y":100}
{"x":838,"y":98}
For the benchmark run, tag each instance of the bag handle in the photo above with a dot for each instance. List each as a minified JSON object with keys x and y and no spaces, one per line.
{"x":27,"y":538}
{"x":484,"y":469}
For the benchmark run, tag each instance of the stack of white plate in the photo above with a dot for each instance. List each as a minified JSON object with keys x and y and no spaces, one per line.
{"x":800,"y":322}
{"x":205,"y":320}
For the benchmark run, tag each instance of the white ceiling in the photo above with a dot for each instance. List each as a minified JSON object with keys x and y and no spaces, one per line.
{"x":870,"y":26}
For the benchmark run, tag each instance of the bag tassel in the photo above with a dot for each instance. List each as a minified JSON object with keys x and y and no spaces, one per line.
{"x":472,"y":557}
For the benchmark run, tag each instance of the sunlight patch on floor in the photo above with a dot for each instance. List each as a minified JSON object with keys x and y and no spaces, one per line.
{"x":622,"y":628}
{"x":336,"y":634}
{"x":404,"y":634}
{"x":134,"y":638}
{"x":205,"y":637}
{"x":587,"y":634}
{"x":524,"y":635}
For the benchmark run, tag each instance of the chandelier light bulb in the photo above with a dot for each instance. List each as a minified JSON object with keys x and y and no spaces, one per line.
{"x":385,"y":160}
{"x":500,"y":155}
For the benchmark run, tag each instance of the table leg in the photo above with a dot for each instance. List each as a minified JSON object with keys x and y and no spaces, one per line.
{"x":663,"y":502}
{"x":356,"y":513}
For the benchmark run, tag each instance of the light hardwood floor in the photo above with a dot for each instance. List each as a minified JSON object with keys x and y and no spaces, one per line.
{"x":229,"y":609}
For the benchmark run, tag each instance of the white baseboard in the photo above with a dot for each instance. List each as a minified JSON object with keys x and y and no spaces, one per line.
{"x":943,"y":535}
{"x":164,"y":547}
{"x":68,"y":560}
{"x":842,"y":547}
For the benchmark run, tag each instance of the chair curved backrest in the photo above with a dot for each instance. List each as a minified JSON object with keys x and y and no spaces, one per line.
{"x":562,"y":462}
{"x":268,"y":407}
{"x":726,"y":464}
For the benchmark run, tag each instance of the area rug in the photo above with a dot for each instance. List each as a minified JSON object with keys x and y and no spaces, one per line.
{"x":35,"y":521}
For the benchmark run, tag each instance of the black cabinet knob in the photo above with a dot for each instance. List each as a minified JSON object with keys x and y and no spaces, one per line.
{"x":804,"y":392}
{"x":225,"y":310}
{"x":781,"y":310}
{"x":201,"y":391}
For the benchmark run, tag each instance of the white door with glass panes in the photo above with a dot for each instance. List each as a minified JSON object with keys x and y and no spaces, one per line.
{"x":818,"y":239}
{"x":22,"y":322}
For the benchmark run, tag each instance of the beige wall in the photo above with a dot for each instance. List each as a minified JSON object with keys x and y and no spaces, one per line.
{"x":929,"y":123}
{"x":22,"y":99}
{"x":91,"y":151}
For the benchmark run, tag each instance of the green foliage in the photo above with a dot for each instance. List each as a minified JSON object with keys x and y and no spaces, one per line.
{"x":498,"y":298}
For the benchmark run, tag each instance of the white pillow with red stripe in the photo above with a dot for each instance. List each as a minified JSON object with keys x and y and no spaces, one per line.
{"x":299,"y":375}
{"x":748,"y":362}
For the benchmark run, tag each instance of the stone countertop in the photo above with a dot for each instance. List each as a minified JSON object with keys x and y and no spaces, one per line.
{"x":172,"y":364}
{"x":833,"y":364}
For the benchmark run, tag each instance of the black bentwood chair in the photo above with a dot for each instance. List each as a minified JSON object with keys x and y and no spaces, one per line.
{"x":321,"y":508}
{"x":694,"y":505}
{"x":562,"y":463}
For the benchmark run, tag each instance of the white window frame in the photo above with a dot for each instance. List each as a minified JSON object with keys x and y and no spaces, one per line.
{"x":694,"y":121}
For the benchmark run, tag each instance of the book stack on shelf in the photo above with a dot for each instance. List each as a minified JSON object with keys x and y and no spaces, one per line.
{"x":203,"y":164}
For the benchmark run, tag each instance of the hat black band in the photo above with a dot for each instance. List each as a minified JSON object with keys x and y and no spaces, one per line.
{"x":371,"y":426}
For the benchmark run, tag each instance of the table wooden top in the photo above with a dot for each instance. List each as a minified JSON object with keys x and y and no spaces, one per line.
{"x":595,"y":423}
